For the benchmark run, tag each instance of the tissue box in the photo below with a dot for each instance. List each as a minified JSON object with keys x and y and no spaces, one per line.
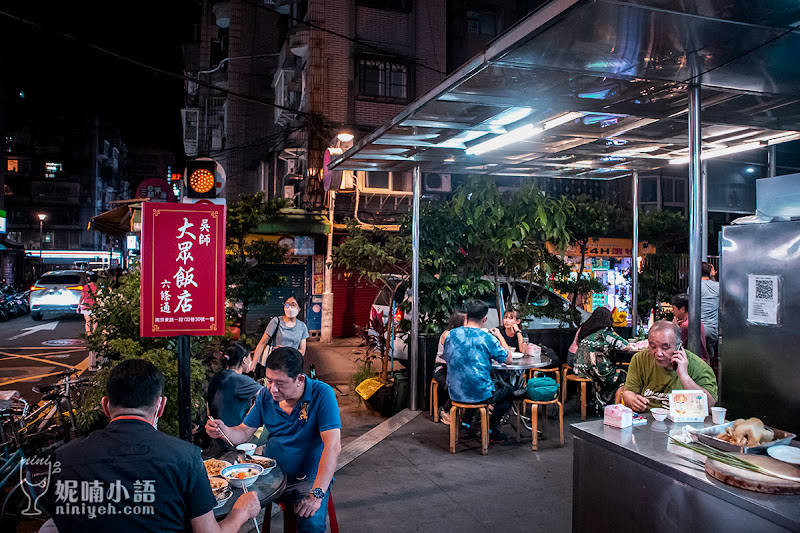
{"x":688,"y":406}
{"x":617,"y":416}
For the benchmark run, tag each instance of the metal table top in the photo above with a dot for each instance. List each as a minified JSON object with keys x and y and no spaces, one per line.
{"x":523,"y":363}
{"x":649,"y":445}
{"x":269,"y":488}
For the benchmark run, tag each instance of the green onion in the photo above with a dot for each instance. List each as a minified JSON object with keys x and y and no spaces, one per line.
{"x":729,"y":459}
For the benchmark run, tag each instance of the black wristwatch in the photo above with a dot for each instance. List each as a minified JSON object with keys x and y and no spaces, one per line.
{"x":318,"y":493}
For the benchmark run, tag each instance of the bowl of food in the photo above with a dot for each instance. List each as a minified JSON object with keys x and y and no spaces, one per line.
{"x":659,"y":413}
{"x":248,"y":448}
{"x":242,"y":475}
{"x":264,"y":462}
{"x":517,"y":355}
{"x":215,"y":466}
{"x":222,"y":491}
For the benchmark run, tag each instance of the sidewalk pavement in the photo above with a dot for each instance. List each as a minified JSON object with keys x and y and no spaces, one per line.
{"x":397,"y":474}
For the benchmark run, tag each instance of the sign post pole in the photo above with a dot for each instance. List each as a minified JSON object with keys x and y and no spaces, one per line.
{"x":183,"y":283}
{"x":184,"y":388}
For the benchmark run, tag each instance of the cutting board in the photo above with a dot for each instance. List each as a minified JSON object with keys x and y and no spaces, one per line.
{"x":745,"y":479}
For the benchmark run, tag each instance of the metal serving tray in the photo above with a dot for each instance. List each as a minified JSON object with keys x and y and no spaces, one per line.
{"x":709,"y":436}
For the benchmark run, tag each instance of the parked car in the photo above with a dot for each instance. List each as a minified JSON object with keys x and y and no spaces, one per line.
{"x":544,"y":298}
{"x":58,"y":291}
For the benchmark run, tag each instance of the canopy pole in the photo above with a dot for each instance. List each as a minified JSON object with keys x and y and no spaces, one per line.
{"x":695,"y":220}
{"x":704,"y":210}
{"x":635,"y":259}
{"x":772,"y":161}
{"x":413,"y":352}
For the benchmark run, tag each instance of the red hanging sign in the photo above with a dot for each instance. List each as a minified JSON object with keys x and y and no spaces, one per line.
{"x":183,"y":269}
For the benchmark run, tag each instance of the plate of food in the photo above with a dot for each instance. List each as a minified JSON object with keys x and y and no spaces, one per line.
{"x":744,"y":436}
{"x":214,"y":466}
{"x":221,"y":489}
{"x":242,"y":475}
{"x":264,"y":462}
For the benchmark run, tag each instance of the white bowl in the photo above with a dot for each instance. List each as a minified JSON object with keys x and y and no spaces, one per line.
{"x":517,"y":355}
{"x":253,"y":471}
{"x":248,"y":448}
{"x":659,"y":413}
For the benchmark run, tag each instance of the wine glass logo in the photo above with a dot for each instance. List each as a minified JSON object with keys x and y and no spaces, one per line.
{"x":34,"y":477}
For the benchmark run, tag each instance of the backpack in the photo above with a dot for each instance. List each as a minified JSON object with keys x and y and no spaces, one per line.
{"x":541,"y":388}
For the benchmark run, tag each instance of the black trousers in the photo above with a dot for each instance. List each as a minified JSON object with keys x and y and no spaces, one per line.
{"x":502,"y":399}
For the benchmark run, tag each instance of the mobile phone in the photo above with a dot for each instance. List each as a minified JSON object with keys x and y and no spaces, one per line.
{"x":674,"y":364}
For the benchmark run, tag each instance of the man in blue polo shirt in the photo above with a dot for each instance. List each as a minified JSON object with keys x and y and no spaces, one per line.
{"x":132,"y":477}
{"x":302,"y":418}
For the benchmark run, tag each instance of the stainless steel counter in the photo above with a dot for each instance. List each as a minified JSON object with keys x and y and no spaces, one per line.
{"x":629,"y":477}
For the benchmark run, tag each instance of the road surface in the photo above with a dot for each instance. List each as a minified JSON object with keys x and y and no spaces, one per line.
{"x":30,"y":352}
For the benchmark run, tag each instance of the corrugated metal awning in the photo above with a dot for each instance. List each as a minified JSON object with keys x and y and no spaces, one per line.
{"x":597,"y":89}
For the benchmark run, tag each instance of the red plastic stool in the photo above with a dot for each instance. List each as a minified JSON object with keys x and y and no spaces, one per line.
{"x":290,"y":519}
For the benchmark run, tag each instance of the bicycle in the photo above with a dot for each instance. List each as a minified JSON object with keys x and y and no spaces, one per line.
{"x":34,"y":434}
{"x":56,"y":411}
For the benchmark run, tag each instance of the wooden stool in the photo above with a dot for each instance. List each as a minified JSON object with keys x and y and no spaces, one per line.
{"x":574,"y":377}
{"x":455,"y":424}
{"x":290,"y":519}
{"x":434,"y":401}
{"x":533,"y":371}
{"x":535,"y":419}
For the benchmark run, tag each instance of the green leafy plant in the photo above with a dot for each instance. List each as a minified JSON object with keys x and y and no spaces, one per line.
{"x":116,"y":338}
{"x":248,"y":282}
{"x":90,"y":415}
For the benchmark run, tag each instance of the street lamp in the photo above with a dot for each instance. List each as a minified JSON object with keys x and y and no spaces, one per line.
{"x":41,"y":216}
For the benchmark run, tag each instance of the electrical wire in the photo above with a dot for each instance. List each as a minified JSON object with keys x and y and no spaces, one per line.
{"x":157,"y":70}
{"x":342,"y":36}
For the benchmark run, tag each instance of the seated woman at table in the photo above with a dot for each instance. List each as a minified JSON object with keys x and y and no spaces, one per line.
{"x":231,"y":392}
{"x":457,"y":320}
{"x":595,"y":340}
{"x":511,"y":332}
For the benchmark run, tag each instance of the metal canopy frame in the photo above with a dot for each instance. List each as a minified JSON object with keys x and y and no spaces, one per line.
{"x":600,"y":89}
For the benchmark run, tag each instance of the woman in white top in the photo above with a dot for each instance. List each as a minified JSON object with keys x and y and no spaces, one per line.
{"x":457,"y":320}
{"x":287,"y":330}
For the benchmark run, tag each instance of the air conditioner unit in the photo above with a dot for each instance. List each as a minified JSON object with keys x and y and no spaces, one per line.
{"x":435,"y":182}
{"x":191,"y":130}
{"x":292,"y":166}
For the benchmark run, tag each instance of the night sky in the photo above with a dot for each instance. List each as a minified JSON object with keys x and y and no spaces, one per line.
{"x":65,"y":76}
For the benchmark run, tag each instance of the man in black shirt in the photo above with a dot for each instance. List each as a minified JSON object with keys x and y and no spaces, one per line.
{"x":132,"y":477}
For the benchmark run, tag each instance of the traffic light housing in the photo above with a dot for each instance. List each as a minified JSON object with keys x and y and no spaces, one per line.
{"x":201,"y":181}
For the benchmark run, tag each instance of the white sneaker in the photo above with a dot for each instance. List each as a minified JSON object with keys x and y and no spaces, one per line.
{"x":444,"y":416}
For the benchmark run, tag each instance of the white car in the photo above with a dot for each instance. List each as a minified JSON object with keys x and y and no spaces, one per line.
{"x":58,"y":291}
{"x":546,"y":297}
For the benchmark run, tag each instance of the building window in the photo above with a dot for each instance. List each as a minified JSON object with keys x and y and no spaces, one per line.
{"x":404,"y":6}
{"x":383,"y":78}
{"x":387,"y":181}
{"x":51,"y":169}
{"x":482,"y":23}
{"x":12,"y":165}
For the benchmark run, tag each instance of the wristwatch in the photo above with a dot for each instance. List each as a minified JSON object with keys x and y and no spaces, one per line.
{"x":318,"y":493}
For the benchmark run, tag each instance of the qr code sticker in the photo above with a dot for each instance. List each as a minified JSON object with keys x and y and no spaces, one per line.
{"x":764,"y":289}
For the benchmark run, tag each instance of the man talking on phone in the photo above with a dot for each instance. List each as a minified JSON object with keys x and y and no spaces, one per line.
{"x":665,"y":366}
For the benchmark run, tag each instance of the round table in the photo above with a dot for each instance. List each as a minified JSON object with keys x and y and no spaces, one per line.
{"x":269,"y":488}
{"x":519,"y":366}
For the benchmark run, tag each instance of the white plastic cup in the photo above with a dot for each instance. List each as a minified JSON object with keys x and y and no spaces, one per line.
{"x":718,"y":415}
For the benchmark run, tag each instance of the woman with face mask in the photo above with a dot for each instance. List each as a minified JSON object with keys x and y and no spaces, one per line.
{"x":283,"y":331}
{"x":231,"y":392}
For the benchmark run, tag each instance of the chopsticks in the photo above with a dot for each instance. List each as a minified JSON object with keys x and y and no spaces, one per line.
{"x":223,"y":433}
{"x":255,"y":522}
{"x":244,"y":487}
